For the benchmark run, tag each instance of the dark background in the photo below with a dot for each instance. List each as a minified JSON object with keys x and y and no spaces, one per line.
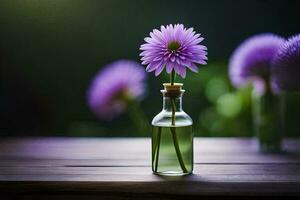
{"x":50,"y":49}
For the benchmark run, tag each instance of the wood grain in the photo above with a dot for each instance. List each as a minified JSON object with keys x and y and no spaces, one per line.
{"x":120,"y":168}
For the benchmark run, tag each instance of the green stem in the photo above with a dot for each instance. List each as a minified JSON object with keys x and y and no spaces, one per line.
{"x":177,"y":149}
{"x":172,"y":77}
{"x":155,"y":153}
{"x":173,"y":112}
{"x":173,"y":128}
{"x":172,"y":80}
{"x":138,"y":117}
{"x":175,"y":140}
{"x":156,"y":150}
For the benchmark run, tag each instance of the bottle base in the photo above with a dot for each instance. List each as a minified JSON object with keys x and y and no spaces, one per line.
{"x":270,"y":148}
{"x":172,"y":173}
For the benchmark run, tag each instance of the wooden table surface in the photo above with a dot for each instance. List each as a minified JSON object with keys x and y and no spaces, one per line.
{"x":121,"y":168}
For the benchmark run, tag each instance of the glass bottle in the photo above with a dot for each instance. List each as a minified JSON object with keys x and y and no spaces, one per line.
{"x":172,"y":135}
{"x":268,"y":119}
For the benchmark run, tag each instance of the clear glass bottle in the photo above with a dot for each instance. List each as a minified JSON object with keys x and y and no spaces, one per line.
{"x":172,"y":135}
{"x":268,"y":118}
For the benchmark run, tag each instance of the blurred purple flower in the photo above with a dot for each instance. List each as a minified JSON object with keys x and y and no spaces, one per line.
{"x":286,"y":65}
{"x":251,"y":61}
{"x":173,"y":47}
{"x":114,"y":86}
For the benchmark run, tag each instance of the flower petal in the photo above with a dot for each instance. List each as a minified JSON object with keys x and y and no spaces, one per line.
{"x":193,"y":67}
{"x":169,"y":67}
{"x":159,"y":70}
{"x":152,"y":66}
{"x":181,"y":70}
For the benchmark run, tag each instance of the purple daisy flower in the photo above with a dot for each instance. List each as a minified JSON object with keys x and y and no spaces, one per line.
{"x":175,"y":48}
{"x":114,"y":86}
{"x":286,"y":65}
{"x":251,"y":61}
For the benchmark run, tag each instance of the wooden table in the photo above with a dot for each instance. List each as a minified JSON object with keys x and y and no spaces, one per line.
{"x":61,"y":168}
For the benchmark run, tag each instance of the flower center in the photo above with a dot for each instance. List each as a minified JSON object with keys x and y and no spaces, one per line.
{"x":123,"y":95}
{"x":173,"y":46}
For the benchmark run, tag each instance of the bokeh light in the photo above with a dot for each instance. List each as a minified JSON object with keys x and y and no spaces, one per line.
{"x":229,"y":105}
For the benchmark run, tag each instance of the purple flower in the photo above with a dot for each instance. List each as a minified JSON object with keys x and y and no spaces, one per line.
{"x":286,"y":65}
{"x":175,"y":48}
{"x":114,"y":86}
{"x":251,"y":61}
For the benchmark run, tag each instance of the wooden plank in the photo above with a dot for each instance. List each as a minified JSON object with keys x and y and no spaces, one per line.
{"x":93,"y":151}
{"x":160,"y":188}
{"x":202,"y":169}
{"x":146,"y":160}
{"x":118,"y":167}
{"x":68,"y":148}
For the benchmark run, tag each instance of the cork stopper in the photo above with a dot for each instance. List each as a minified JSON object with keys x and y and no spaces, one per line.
{"x":175,"y":87}
{"x":172,"y":91}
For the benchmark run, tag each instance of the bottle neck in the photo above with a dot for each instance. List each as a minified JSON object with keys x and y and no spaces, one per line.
{"x":172,"y":103}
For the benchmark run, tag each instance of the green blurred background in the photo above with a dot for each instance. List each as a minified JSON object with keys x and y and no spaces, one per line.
{"x":50,"y":49}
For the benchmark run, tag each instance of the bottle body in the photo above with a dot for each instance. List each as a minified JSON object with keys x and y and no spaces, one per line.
{"x":172,"y":140}
{"x":268,"y":118}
